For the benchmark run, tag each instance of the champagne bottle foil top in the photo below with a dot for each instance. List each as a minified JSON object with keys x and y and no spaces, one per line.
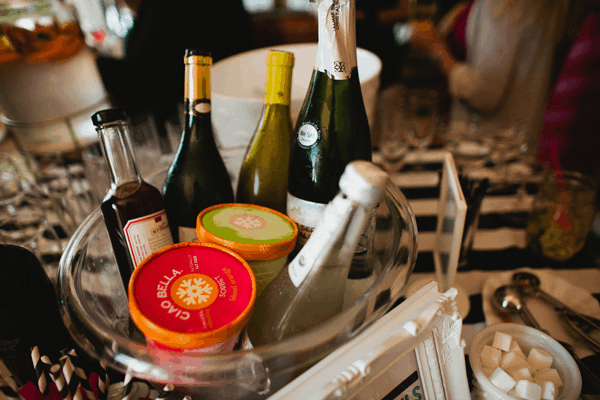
{"x":108,"y":116}
{"x":278,"y":57}
{"x":336,"y":53}
{"x":190,"y":296}
{"x":364,"y":182}
{"x":254,"y":232}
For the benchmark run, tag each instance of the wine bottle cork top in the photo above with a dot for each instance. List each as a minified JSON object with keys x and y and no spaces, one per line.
{"x":364,"y":182}
{"x":277,"y":57}
{"x":198,"y":57}
{"x":108,"y":115}
{"x":254,"y":232}
{"x":192,"y":295}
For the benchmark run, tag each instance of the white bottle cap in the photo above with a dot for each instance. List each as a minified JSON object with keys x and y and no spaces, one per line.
{"x":364,"y":182}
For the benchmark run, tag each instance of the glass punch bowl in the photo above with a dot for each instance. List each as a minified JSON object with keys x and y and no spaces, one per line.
{"x":94,"y":308}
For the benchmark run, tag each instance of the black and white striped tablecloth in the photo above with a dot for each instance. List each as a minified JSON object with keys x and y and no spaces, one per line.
{"x":500,"y":242}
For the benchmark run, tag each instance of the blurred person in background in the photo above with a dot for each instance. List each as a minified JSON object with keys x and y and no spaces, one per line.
{"x":571,"y":123}
{"x":149,"y":79}
{"x":502,"y":58}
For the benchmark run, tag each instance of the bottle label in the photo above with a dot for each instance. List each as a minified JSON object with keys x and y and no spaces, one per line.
{"x":147,"y":234}
{"x":325,"y":236}
{"x":187,"y":234}
{"x":306,"y":214}
{"x":308,"y":135}
{"x":336,"y":52}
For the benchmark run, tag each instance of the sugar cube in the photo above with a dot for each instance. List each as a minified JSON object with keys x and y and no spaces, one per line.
{"x":502,"y":341}
{"x":539,"y":359}
{"x":528,"y":390}
{"x":549,"y":374}
{"x":515,"y":348}
{"x":502,"y":380}
{"x":490,"y":356}
{"x":513,"y":393}
{"x":512,"y":361}
{"x":548,"y":390}
{"x":520,"y":373}
{"x":487,"y":371}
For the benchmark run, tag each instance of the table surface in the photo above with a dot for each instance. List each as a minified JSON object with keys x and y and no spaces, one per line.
{"x":499,"y":244}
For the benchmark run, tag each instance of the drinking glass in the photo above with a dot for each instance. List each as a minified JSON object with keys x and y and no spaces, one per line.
{"x":422,"y":115}
{"x":393,"y":137}
{"x":60,"y":186}
{"x":562,"y":214}
{"x":96,"y":172}
{"x":470,"y":149}
{"x":146,"y":146}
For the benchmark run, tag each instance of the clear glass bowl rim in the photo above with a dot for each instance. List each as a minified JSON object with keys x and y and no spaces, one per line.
{"x":197,"y":368}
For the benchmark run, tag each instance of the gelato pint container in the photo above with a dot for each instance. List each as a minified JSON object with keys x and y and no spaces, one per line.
{"x":262,"y":236}
{"x":192,"y":296}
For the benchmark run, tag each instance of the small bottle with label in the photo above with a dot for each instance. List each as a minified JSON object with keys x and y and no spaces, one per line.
{"x":311,"y":289}
{"x":133,"y":210}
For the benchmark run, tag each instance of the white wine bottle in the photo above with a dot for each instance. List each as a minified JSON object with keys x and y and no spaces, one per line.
{"x":332,"y":127}
{"x":311,"y":289}
{"x":197,"y":177}
{"x":264,"y":173}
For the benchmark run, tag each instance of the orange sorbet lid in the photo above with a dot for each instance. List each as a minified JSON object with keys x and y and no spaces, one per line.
{"x":254,"y":232}
{"x":191,"y":295}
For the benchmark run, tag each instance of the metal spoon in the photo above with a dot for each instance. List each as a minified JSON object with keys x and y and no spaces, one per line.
{"x":587,"y":327}
{"x":508,"y":300}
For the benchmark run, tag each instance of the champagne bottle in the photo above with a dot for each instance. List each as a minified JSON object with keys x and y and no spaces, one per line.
{"x":264,"y":173}
{"x":332,"y":127}
{"x":132,"y":209}
{"x":311,"y":288}
{"x":197,"y":177}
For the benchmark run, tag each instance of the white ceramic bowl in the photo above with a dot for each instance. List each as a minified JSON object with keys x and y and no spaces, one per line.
{"x":527,"y":338}
{"x":238,"y":85}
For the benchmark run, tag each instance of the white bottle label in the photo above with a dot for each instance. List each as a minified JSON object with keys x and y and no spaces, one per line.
{"x":187,"y":234}
{"x":306,"y":214}
{"x":147,"y":234}
{"x":323,"y":238}
{"x":336,"y":53}
{"x":307,"y":135}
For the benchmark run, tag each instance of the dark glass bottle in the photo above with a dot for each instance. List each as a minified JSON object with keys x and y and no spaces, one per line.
{"x":332,"y":128}
{"x":197,"y":177}
{"x":264,"y":173}
{"x":29,"y":313}
{"x":133,"y":210}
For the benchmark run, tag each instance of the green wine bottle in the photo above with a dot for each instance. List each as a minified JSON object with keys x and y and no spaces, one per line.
{"x":264,"y":173}
{"x":197,"y":177}
{"x":332,"y":127}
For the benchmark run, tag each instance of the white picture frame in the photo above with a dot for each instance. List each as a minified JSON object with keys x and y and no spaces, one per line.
{"x":414,"y":352}
{"x":451,"y":214}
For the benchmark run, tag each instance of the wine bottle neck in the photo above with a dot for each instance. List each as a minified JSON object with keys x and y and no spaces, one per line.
{"x":197,"y":78}
{"x":197,"y":104}
{"x":336,"y":50}
{"x":118,"y":153}
{"x":279,"y":77}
